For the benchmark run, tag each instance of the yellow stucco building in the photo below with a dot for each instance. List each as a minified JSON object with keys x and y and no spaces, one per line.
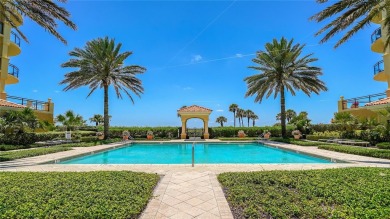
{"x":194,"y":111}
{"x":9,"y":75}
{"x":368,"y":106}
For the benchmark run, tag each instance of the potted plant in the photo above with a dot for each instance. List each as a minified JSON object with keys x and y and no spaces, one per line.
{"x":125,"y":135}
{"x":267,"y":134}
{"x":297,"y":134}
{"x":149,"y":135}
{"x":241,"y":134}
{"x":100,"y":135}
{"x":355,"y":104}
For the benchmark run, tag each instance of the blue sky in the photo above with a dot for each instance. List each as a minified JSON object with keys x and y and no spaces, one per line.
{"x":195,"y":52}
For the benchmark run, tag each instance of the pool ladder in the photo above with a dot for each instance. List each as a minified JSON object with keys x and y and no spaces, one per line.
{"x":193,"y":154}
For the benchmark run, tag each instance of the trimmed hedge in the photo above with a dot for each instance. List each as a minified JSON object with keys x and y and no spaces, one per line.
{"x":13,"y":155}
{"x":75,"y":195}
{"x":140,"y":132}
{"x":19,"y":139}
{"x":6,"y":147}
{"x":298,"y":142}
{"x":383,"y":145}
{"x":331,"y":193}
{"x":276,"y":131}
{"x":370,"y":152}
{"x":47,"y":136}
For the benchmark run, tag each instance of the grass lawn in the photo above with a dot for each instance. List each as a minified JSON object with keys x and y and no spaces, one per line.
{"x":370,"y":152}
{"x":299,"y":142}
{"x":12,"y":155}
{"x":75,"y":195}
{"x":332,"y":193}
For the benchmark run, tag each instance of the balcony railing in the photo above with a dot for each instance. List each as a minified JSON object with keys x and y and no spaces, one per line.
{"x":33,"y":104}
{"x":13,"y":70}
{"x":376,"y":35}
{"x":355,"y":102}
{"x":15,"y":38}
{"x":379,"y":67}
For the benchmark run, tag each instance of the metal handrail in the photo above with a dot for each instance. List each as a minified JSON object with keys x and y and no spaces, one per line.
{"x":379,"y":67}
{"x":33,"y":104}
{"x":376,"y":35}
{"x":13,"y":70}
{"x":15,"y":38}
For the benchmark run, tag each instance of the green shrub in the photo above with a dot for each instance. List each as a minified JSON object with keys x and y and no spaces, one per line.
{"x":5,"y":147}
{"x":89,"y":139}
{"x":383,"y":145}
{"x":141,"y":132}
{"x":237,"y":139}
{"x":370,"y":152}
{"x":117,"y":194}
{"x":331,"y":193}
{"x":18,"y":139}
{"x":47,"y":136}
{"x":228,"y":132}
{"x":298,"y":142}
{"x":13,"y":155}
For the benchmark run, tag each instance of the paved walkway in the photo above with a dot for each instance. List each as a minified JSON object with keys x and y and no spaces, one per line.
{"x":185,"y":191}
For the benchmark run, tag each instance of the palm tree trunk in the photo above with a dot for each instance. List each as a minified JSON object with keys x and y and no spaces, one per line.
{"x":106,"y":118}
{"x":242,"y":121}
{"x":248,"y":120}
{"x":283,"y":112}
{"x":221,"y":124}
{"x":253,"y":124}
{"x":234,"y":113}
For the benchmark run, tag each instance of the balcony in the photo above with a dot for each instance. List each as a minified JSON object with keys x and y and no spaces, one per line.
{"x":379,"y":71}
{"x":358,"y":102}
{"x":378,"y":18}
{"x":377,"y":42}
{"x":14,"y":48}
{"x":33,"y":104}
{"x":13,"y":74}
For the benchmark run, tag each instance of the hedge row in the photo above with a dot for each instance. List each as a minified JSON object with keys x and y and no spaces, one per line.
{"x":47,"y":136}
{"x":370,"y":152}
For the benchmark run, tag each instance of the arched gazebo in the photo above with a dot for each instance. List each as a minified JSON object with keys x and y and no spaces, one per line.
{"x":191,"y":112}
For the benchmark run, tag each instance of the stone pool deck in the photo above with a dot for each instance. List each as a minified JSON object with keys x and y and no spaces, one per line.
{"x":185,"y":191}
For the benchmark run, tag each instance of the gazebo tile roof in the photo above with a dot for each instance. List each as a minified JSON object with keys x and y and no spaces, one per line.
{"x":10,"y":104}
{"x":194,"y":108}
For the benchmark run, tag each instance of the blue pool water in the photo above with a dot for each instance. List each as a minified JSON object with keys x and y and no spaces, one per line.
{"x":205,"y":153}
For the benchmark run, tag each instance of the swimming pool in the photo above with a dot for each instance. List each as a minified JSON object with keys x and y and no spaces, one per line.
{"x":205,"y":153}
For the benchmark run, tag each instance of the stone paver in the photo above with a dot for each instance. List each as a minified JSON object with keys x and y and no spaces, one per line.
{"x":188,"y":194}
{"x":185,"y":191}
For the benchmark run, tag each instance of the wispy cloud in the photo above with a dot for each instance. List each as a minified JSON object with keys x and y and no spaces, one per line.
{"x":219,"y":110}
{"x":239,"y":55}
{"x":196,"y":58}
{"x":35,"y":91}
{"x":187,"y":88}
{"x":56,"y":91}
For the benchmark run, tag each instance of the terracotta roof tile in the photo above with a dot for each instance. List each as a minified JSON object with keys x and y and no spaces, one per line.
{"x":194,"y":108}
{"x":379,"y":102}
{"x":10,"y":104}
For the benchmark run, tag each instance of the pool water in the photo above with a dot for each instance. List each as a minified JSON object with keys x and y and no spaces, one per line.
{"x":205,"y":153}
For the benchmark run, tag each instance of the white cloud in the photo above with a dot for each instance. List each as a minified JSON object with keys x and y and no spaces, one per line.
{"x":35,"y":91}
{"x":239,"y":55}
{"x":56,"y":91}
{"x":196,"y":58}
{"x":187,"y":88}
{"x":219,"y":110}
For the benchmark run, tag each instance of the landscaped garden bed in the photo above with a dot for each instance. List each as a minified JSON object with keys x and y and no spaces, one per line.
{"x":75,"y":195}
{"x":370,"y":152}
{"x":13,"y":155}
{"x":332,"y":193}
{"x":298,"y":142}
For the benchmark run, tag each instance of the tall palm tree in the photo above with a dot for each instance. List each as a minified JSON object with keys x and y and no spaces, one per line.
{"x":353,"y":15}
{"x":100,"y":65}
{"x":45,"y":13}
{"x":249,"y":114}
{"x":240,"y":115}
{"x":70,"y":120}
{"x":233,"y":108}
{"x":221,"y":120}
{"x":254,"y":118}
{"x":97,"y":119}
{"x":282,"y":69}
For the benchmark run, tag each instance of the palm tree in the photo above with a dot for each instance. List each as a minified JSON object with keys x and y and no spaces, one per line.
{"x":45,"y":13}
{"x":97,"y":119}
{"x":100,"y":64}
{"x":249,"y":114}
{"x":290,"y":114}
{"x":221,"y":120}
{"x":240,"y":115}
{"x":254,"y":118}
{"x":70,"y":120}
{"x":353,"y":15}
{"x":281,"y":69}
{"x":233,"y":108}
{"x":20,"y":121}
